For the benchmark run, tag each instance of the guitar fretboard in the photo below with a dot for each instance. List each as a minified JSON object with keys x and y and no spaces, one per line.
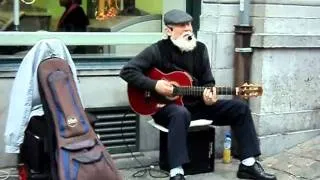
{"x":198,"y":91}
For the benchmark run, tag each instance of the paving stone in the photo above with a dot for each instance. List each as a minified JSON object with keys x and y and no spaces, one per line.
{"x":295,"y":165}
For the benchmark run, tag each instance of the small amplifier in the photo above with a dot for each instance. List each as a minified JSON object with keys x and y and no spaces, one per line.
{"x":201,"y":150}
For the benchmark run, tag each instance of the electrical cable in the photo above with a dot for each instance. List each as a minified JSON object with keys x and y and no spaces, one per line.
{"x":28,"y":2}
{"x":146,"y":168}
{"x":4,"y":175}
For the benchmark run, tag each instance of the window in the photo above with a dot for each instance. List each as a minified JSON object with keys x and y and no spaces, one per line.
{"x":139,"y":16}
{"x":103,"y":15}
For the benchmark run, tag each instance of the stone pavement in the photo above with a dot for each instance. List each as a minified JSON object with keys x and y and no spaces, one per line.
{"x":301,"y":162}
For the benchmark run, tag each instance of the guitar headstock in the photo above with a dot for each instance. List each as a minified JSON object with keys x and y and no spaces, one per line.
{"x":249,"y":90}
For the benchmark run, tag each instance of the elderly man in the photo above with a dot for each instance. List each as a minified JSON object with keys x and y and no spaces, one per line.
{"x":181,"y":51}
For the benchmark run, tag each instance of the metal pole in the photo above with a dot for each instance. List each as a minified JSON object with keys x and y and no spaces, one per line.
{"x":16,"y":12}
{"x":242,"y":54}
{"x":121,"y":5}
{"x":245,"y":12}
{"x":243,"y":51}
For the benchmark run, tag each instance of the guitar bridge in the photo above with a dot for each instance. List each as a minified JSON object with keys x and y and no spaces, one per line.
{"x":147,"y":96}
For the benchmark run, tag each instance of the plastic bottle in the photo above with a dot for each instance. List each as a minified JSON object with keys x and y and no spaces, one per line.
{"x":227,"y":148}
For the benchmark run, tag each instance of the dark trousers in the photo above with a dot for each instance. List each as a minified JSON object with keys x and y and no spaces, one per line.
{"x":234,"y":113}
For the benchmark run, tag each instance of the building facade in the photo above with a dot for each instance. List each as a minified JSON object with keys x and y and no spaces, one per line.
{"x":285,"y":61}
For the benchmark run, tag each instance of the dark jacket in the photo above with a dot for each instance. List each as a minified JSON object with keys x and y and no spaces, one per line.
{"x":165,"y":56}
{"x":73,"y":19}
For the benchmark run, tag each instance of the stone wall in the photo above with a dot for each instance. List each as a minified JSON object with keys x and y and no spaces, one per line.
{"x":285,"y":61}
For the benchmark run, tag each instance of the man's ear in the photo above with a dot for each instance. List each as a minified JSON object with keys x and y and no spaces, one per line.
{"x":168,"y":30}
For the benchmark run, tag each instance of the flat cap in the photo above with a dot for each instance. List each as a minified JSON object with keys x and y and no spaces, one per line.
{"x":176,"y":16}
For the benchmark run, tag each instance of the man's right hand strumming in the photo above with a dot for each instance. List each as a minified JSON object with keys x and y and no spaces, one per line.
{"x":164,"y":88}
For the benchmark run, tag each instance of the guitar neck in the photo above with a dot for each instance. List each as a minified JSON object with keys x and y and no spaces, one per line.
{"x":198,"y":91}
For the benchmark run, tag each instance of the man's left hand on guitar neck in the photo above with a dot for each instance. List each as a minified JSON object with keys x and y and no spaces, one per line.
{"x":210,"y":96}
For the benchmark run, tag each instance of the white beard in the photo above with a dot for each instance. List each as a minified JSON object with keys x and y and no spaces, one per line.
{"x":183,"y":43}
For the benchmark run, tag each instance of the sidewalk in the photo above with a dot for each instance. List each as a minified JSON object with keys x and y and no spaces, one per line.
{"x":299,"y":163}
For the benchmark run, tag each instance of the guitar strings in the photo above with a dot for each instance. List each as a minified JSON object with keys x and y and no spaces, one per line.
{"x":198,"y":90}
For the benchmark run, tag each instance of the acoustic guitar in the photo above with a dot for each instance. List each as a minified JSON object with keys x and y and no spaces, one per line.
{"x":146,"y":102}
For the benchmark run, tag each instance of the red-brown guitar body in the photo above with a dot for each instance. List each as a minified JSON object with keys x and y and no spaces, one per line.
{"x":145,"y":103}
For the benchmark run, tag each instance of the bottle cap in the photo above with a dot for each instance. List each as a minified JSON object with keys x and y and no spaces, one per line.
{"x":228,"y":134}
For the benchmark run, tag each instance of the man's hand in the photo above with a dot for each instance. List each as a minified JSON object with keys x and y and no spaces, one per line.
{"x":210,"y":96}
{"x":164,"y":88}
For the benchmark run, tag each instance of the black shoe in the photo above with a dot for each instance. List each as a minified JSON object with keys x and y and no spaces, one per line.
{"x":177,"y":177}
{"x":254,"y":172}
